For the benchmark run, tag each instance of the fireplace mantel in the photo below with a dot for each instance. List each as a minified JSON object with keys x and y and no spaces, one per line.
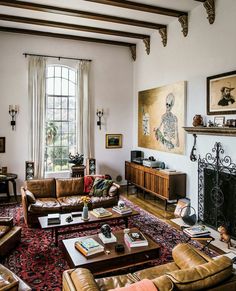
{"x":226,"y":131}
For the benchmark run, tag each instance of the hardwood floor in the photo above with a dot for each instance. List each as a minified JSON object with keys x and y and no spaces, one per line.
{"x":150,"y":203}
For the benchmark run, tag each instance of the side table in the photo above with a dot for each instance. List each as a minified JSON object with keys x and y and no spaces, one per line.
{"x":4,"y":184}
{"x":77,"y":171}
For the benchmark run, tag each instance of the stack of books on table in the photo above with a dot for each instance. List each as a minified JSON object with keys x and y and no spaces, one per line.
{"x":122,"y":210}
{"x":197,"y":231}
{"x":54,"y":218}
{"x":101,"y":212}
{"x":88,"y":246}
{"x":135,"y":239}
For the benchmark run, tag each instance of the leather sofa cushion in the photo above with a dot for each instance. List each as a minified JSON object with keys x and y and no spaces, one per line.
{"x":103,"y":201}
{"x":71,"y":203}
{"x":45,"y":206}
{"x":163,"y":283}
{"x":41,"y":188}
{"x":113,"y":282}
{"x":187,"y":257}
{"x":203,"y":276}
{"x":157,"y":271}
{"x":69,"y":187}
{"x":143,"y":285}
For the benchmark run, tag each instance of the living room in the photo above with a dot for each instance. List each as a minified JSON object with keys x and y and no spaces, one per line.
{"x":116,"y":80}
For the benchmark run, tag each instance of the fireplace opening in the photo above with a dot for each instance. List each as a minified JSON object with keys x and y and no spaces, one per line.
{"x":217,"y":191}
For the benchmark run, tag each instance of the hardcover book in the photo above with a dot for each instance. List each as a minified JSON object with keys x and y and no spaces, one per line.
{"x":88,"y":246}
{"x":101,"y":212}
{"x":196,"y":230}
{"x":123,"y":210}
{"x":135,"y":239}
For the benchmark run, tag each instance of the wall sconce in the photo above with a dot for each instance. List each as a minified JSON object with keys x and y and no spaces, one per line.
{"x":99,"y":115}
{"x":13,"y":110}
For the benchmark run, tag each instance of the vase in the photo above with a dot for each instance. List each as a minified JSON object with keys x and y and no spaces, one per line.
{"x":85,"y":213}
{"x":197,"y":120}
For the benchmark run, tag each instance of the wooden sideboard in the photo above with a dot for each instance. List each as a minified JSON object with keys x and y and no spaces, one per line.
{"x":166,"y":186}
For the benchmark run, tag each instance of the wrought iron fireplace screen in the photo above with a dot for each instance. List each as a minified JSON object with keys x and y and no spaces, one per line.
{"x":217,"y":190}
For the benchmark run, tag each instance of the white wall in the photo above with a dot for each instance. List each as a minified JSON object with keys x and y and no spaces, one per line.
{"x":207,"y":50}
{"x":111,"y":89}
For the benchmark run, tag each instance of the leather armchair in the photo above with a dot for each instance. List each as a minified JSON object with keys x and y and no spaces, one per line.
{"x":9,"y":235}
{"x":190,"y":270}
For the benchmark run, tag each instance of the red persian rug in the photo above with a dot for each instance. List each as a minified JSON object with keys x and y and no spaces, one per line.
{"x":41,"y":264}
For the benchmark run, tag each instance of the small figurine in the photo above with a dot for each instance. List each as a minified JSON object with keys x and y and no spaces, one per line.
{"x":106,"y":230}
{"x":224,"y":236}
{"x":121,"y":204}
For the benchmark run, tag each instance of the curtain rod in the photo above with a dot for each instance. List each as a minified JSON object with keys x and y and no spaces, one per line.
{"x":56,"y":57}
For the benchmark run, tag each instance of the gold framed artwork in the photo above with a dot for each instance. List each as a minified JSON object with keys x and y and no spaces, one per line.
{"x":221,"y":93}
{"x":2,"y":144}
{"x":113,"y":141}
{"x":161,"y":117}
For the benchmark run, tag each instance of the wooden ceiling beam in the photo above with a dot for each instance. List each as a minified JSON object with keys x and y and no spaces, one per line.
{"x":132,"y":46}
{"x":71,"y":26}
{"x":76,"y":27}
{"x":141,"y":7}
{"x":182,"y":15}
{"x":80,"y":13}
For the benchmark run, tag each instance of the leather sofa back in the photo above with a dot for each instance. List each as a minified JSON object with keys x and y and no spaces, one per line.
{"x":69,"y":187}
{"x":42,"y":188}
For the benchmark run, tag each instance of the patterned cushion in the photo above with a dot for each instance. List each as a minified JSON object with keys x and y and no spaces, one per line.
{"x":100,"y":187}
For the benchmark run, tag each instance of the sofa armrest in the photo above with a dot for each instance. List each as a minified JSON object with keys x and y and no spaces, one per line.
{"x":186,"y":256}
{"x":24,"y":204}
{"x":79,"y":279}
{"x":114,"y":190}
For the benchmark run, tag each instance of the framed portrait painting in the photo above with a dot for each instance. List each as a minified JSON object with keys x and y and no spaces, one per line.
{"x":113,"y":141}
{"x":161,"y":117}
{"x":221,"y":94}
{"x":2,"y":144}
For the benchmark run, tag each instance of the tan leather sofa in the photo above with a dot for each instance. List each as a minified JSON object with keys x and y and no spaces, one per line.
{"x":43,"y":196}
{"x":191,"y":270}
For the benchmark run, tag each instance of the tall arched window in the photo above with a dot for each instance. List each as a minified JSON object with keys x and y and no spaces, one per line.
{"x":60,"y":117}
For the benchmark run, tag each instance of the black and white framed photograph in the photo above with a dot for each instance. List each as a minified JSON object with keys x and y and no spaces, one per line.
{"x":219,"y":121}
{"x":221,"y":94}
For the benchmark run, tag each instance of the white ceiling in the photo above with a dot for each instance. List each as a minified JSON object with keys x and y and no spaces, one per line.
{"x":182,"y":5}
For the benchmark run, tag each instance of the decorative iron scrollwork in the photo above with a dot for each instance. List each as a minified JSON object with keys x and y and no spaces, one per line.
{"x":146,"y":41}
{"x":163,"y":33}
{"x":133,"y":51}
{"x":210,"y":9}
{"x":193,"y":156}
{"x":217,"y":190}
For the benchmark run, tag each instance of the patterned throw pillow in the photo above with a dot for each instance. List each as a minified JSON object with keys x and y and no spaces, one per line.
{"x":100,"y":187}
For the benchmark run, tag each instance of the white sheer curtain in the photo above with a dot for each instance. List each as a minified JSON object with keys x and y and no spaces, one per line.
{"x":37,"y":91}
{"x":83,"y":109}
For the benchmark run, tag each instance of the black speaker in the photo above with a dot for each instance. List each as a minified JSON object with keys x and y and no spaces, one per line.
{"x":90,"y":166}
{"x":29,"y":170}
{"x":135,"y":155}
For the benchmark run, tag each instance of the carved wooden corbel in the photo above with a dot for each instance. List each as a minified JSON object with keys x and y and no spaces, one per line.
{"x":183,"y":19}
{"x":210,"y":9}
{"x":146,"y":41}
{"x":133,"y":51}
{"x":163,"y":33}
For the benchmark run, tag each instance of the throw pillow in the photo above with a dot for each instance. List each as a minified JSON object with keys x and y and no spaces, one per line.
{"x":30,"y":197}
{"x":100,"y":187}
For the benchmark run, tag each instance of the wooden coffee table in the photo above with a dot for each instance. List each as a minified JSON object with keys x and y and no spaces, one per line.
{"x":63,"y":227}
{"x":111,"y":260}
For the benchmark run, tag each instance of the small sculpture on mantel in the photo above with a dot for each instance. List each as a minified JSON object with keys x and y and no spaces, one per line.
{"x":224,"y":236}
{"x":77,"y":159}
